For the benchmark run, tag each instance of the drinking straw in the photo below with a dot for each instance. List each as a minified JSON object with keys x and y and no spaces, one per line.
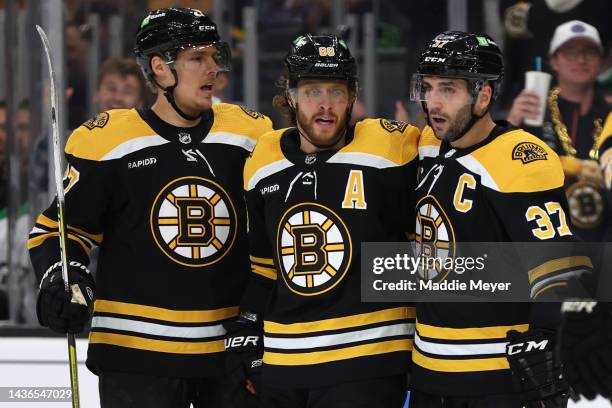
{"x":538,"y":63}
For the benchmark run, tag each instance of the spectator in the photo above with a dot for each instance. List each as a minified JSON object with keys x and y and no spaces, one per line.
{"x":573,"y":121}
{"x":120,"y":85}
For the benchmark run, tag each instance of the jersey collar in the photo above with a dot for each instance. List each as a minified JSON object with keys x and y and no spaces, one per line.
{"x":183,"y":136}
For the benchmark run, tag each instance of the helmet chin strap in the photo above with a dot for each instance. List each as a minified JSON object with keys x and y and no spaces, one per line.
{"x":169,"y":94}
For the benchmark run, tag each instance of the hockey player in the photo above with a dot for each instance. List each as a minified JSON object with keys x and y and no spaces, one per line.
{"x":315,"y":191}
{"x":586,"y":341}
{"x":485,"y":181}
{"x":160,"y":191}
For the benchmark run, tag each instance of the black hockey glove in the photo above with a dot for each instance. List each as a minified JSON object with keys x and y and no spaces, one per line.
{"x":61,"y":311}
{"x":244,"y":347}
{"x":536,"y":368}
{"x":586,"y":347}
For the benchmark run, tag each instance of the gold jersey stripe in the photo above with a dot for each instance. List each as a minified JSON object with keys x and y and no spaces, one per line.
{"x":49,"y":223}
{"x":265,"y":261}
{"x":552,"y":285}
{"x":460,"y":366}
{"x":557,"y":265}
{"x":38,"y":240}
{"x":158,"y":313}
{"x":468,"y":333}
{"x":161,"y":346}
{"x":340,"y":322}
{"x":319,"y":357}
{"x":269,"y":273}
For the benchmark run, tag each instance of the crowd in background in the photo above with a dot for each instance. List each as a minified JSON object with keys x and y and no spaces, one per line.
{"x":524,"y":30}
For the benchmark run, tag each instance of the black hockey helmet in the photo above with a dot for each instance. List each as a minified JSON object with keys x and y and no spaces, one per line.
{"x":166,"y":31}
{"x":456,"y":54}
{"x":320,"y":57}
{"x":324,"y":57}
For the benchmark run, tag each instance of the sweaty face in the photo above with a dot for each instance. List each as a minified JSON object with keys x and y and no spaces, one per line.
{"x":321,"y":109}
{"x":449,"y":106}
{"x":197,"y":72}
{"x":118,"y":92}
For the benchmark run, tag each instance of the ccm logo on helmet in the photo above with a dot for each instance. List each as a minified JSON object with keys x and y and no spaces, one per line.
{"x":527,"y":347}
{"x":241,"y":341}
{"x":206,"y":27}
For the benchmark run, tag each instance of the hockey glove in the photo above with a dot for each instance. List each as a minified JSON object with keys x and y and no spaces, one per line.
{"x":586,"y":347}
{"x":536,"y":368}
{"x":244,"y":347}
{"x":59,"y":310}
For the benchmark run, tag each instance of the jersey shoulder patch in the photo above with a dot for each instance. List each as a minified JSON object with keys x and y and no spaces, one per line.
{"x":240,"y":121}
{"x":393,"y":141}
{"x":266,"y":159}
{"x":517,"y":161}
{"x":108,"y":134}
{"x":98,"y":121}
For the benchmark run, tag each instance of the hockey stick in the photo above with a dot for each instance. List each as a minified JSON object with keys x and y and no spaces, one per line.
{"x":59,"y":184}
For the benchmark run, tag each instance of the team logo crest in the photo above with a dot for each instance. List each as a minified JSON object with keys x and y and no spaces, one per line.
{"x":393,"y":125}
{"x":193,"y":221}
{"x":434,"y":240}
{"x":314,"y":249}
{"x":528,"y":152}
{"x":252,"y":113}
{"x":100,"y":120}
{"x":586,"y":204}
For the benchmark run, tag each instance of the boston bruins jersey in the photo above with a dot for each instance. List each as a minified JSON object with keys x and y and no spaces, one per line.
{"x":308,"y":214}
{"x":508,"y":187}
{"x":605,"y":153}
{"x":165,"y":205}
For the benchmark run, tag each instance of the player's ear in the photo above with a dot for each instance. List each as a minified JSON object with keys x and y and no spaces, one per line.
{"x":161,"y":71}
{"x":485,"y":97}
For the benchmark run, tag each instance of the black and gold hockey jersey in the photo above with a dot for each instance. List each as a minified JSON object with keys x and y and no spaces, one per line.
{"x":509,"y":187}
{"x":166,"y":207}
{"x":605,"y":153}
{"x":308,"y":214}
{"x":590,"y":211}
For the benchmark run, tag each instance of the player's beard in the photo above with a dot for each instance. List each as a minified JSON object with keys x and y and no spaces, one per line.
{"x":308,"y":127}
{"x":456,"y":126}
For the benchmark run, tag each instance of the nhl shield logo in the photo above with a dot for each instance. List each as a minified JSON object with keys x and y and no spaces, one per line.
{"x":310,"y":159}
{"x":314,"y":249}
{"x":184,"y":138}
{"x":393,"y":125}
{"x":528,"y":152}
{"x":193,"y":221}
{"x":99,"y":121}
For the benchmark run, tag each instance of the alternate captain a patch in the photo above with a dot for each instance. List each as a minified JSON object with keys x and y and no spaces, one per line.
{"x":99,"y":121}
{"x":314,"y":249}
{"x":393,"y":125}
{"x":193,"y":221}
{"x":528,"y":152}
